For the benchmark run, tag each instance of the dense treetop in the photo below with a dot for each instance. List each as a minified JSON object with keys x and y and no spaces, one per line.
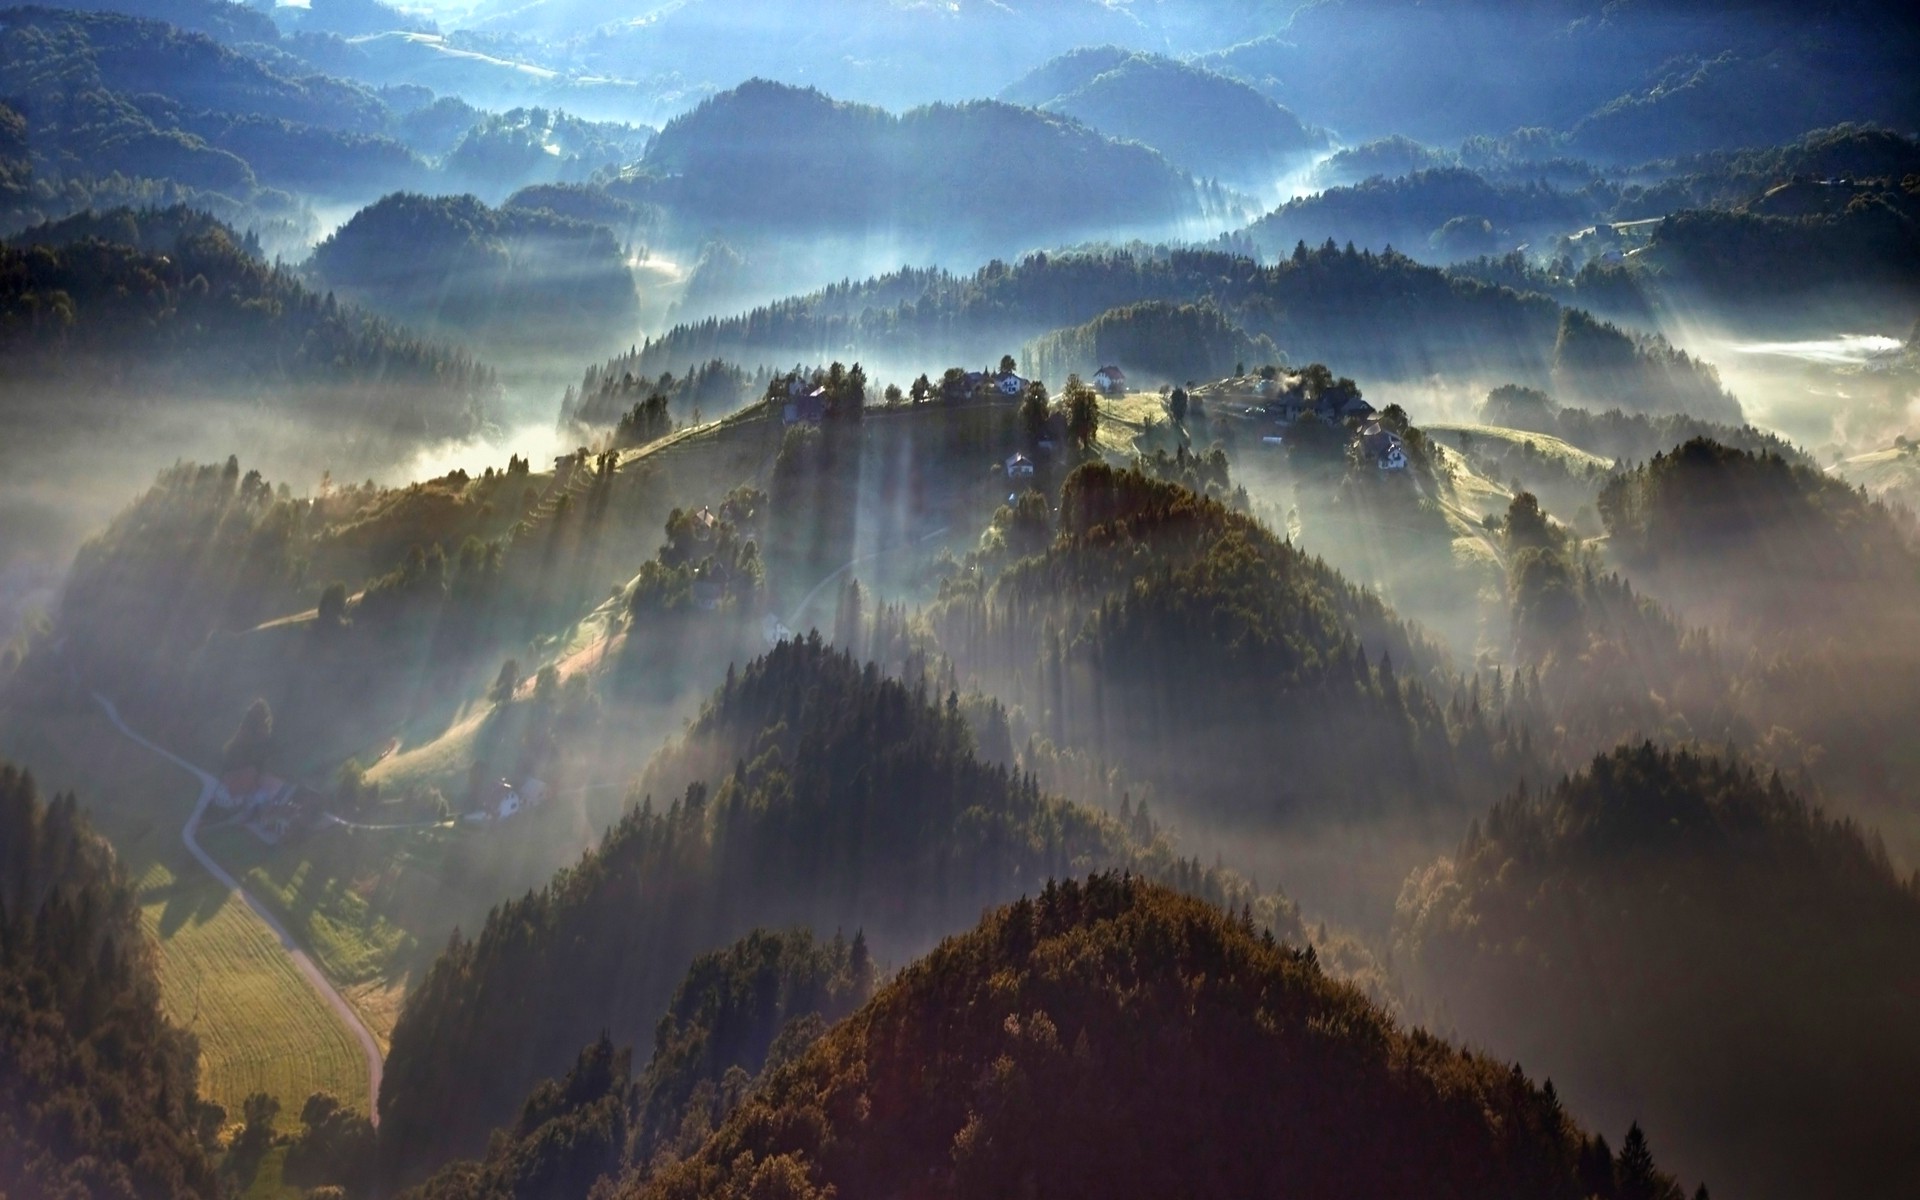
{"x":98,"y":1095}
{"x":1114,"y":1038}
{"x":740,"y":1011}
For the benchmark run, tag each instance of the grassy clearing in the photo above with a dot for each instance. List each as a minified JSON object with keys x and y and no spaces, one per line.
{"x":1568,"y":455}
{"x":223,"y":974}
{"x":440,"y":763}
{"x":266,"y":1182}
{"x":1134,"y":423}
{"x":1474,"y":493}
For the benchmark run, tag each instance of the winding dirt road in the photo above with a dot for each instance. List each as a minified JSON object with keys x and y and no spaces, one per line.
{"x":301,"y":959}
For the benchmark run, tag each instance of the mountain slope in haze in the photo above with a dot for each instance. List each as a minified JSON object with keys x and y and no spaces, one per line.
{"x":876,"y":51}
{"x":525,"y":278}
{"x":1207,"y":124}
{"x":1818,"y":583}
{"x":193,"y":302}
{"x":1419,"y":214}
{"x":766,"y":157}
{"x":98,"y":1095}
{"x":742,"y":1010}
{"x":1809,"y":74}
{"x":108,"y":93}
{"x":225,"y":21}
{"x":1629,"y":83}
{"x":129,"y":338}
{"x":1147,"y":591}
{"x":510,"y":150}
{"x":1607,"y":663}
{"x":1625,"y":437}
{"x":808,"y":791}
{"x":1767,"y":548}
{"x":1112,"y":1038}
{"x":1676,"y":939}
{"x":1850,"y":249}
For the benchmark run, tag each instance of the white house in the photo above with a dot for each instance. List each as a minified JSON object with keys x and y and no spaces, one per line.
{"x":1019,"y":467}
{"x":1110,"y":379}
{"x":1384,"y":447}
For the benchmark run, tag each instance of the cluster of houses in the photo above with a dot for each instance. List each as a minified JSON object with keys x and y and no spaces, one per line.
{"x":1005,"y":385}
{"x":1277,"y":400}
{"x":270,"y":807}
{"x":1286,"y":398}
{"x":806,"y":400}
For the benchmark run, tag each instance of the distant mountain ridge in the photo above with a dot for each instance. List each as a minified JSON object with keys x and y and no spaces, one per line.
{"x":766,"y":157}
{"x":1206,"y":123}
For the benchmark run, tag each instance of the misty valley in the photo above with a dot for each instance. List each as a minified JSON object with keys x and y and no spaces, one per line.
{"x":737,"y":600}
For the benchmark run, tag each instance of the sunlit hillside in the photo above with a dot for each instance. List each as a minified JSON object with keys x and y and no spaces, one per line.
{"x":845,"y":598}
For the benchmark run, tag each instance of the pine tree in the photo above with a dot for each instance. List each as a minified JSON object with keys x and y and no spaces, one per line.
{"x":1638,"y":1178}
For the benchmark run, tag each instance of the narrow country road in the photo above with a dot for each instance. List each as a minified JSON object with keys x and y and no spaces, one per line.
{"x":301,"y":959}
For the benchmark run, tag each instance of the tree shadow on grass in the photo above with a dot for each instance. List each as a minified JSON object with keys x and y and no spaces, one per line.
{"x":195,"y":898}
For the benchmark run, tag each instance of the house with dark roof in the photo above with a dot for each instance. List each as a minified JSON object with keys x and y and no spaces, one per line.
{"x":1382,"y":447}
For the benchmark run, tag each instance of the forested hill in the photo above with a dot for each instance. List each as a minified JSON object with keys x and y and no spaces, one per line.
{"x":976,"y":176}
{"x":1627,"y":437}
{"x":1746,"y":975}
{"x":90,"y":320}
{"x":740,"y":1012}
{"x":1764,"y":546}
{"x":1379,"y":314}
{"x":97,"y":1095}
{"x":1112,"y":1038}
{"x":1205,"y":123}
{"x":1146,"y":590}
{"x":525,"y":278}
{"x":1159,"y":342}
{"x":1418,"y":214}
{"x":1853,"y":246}
{"x":826,"y":795}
